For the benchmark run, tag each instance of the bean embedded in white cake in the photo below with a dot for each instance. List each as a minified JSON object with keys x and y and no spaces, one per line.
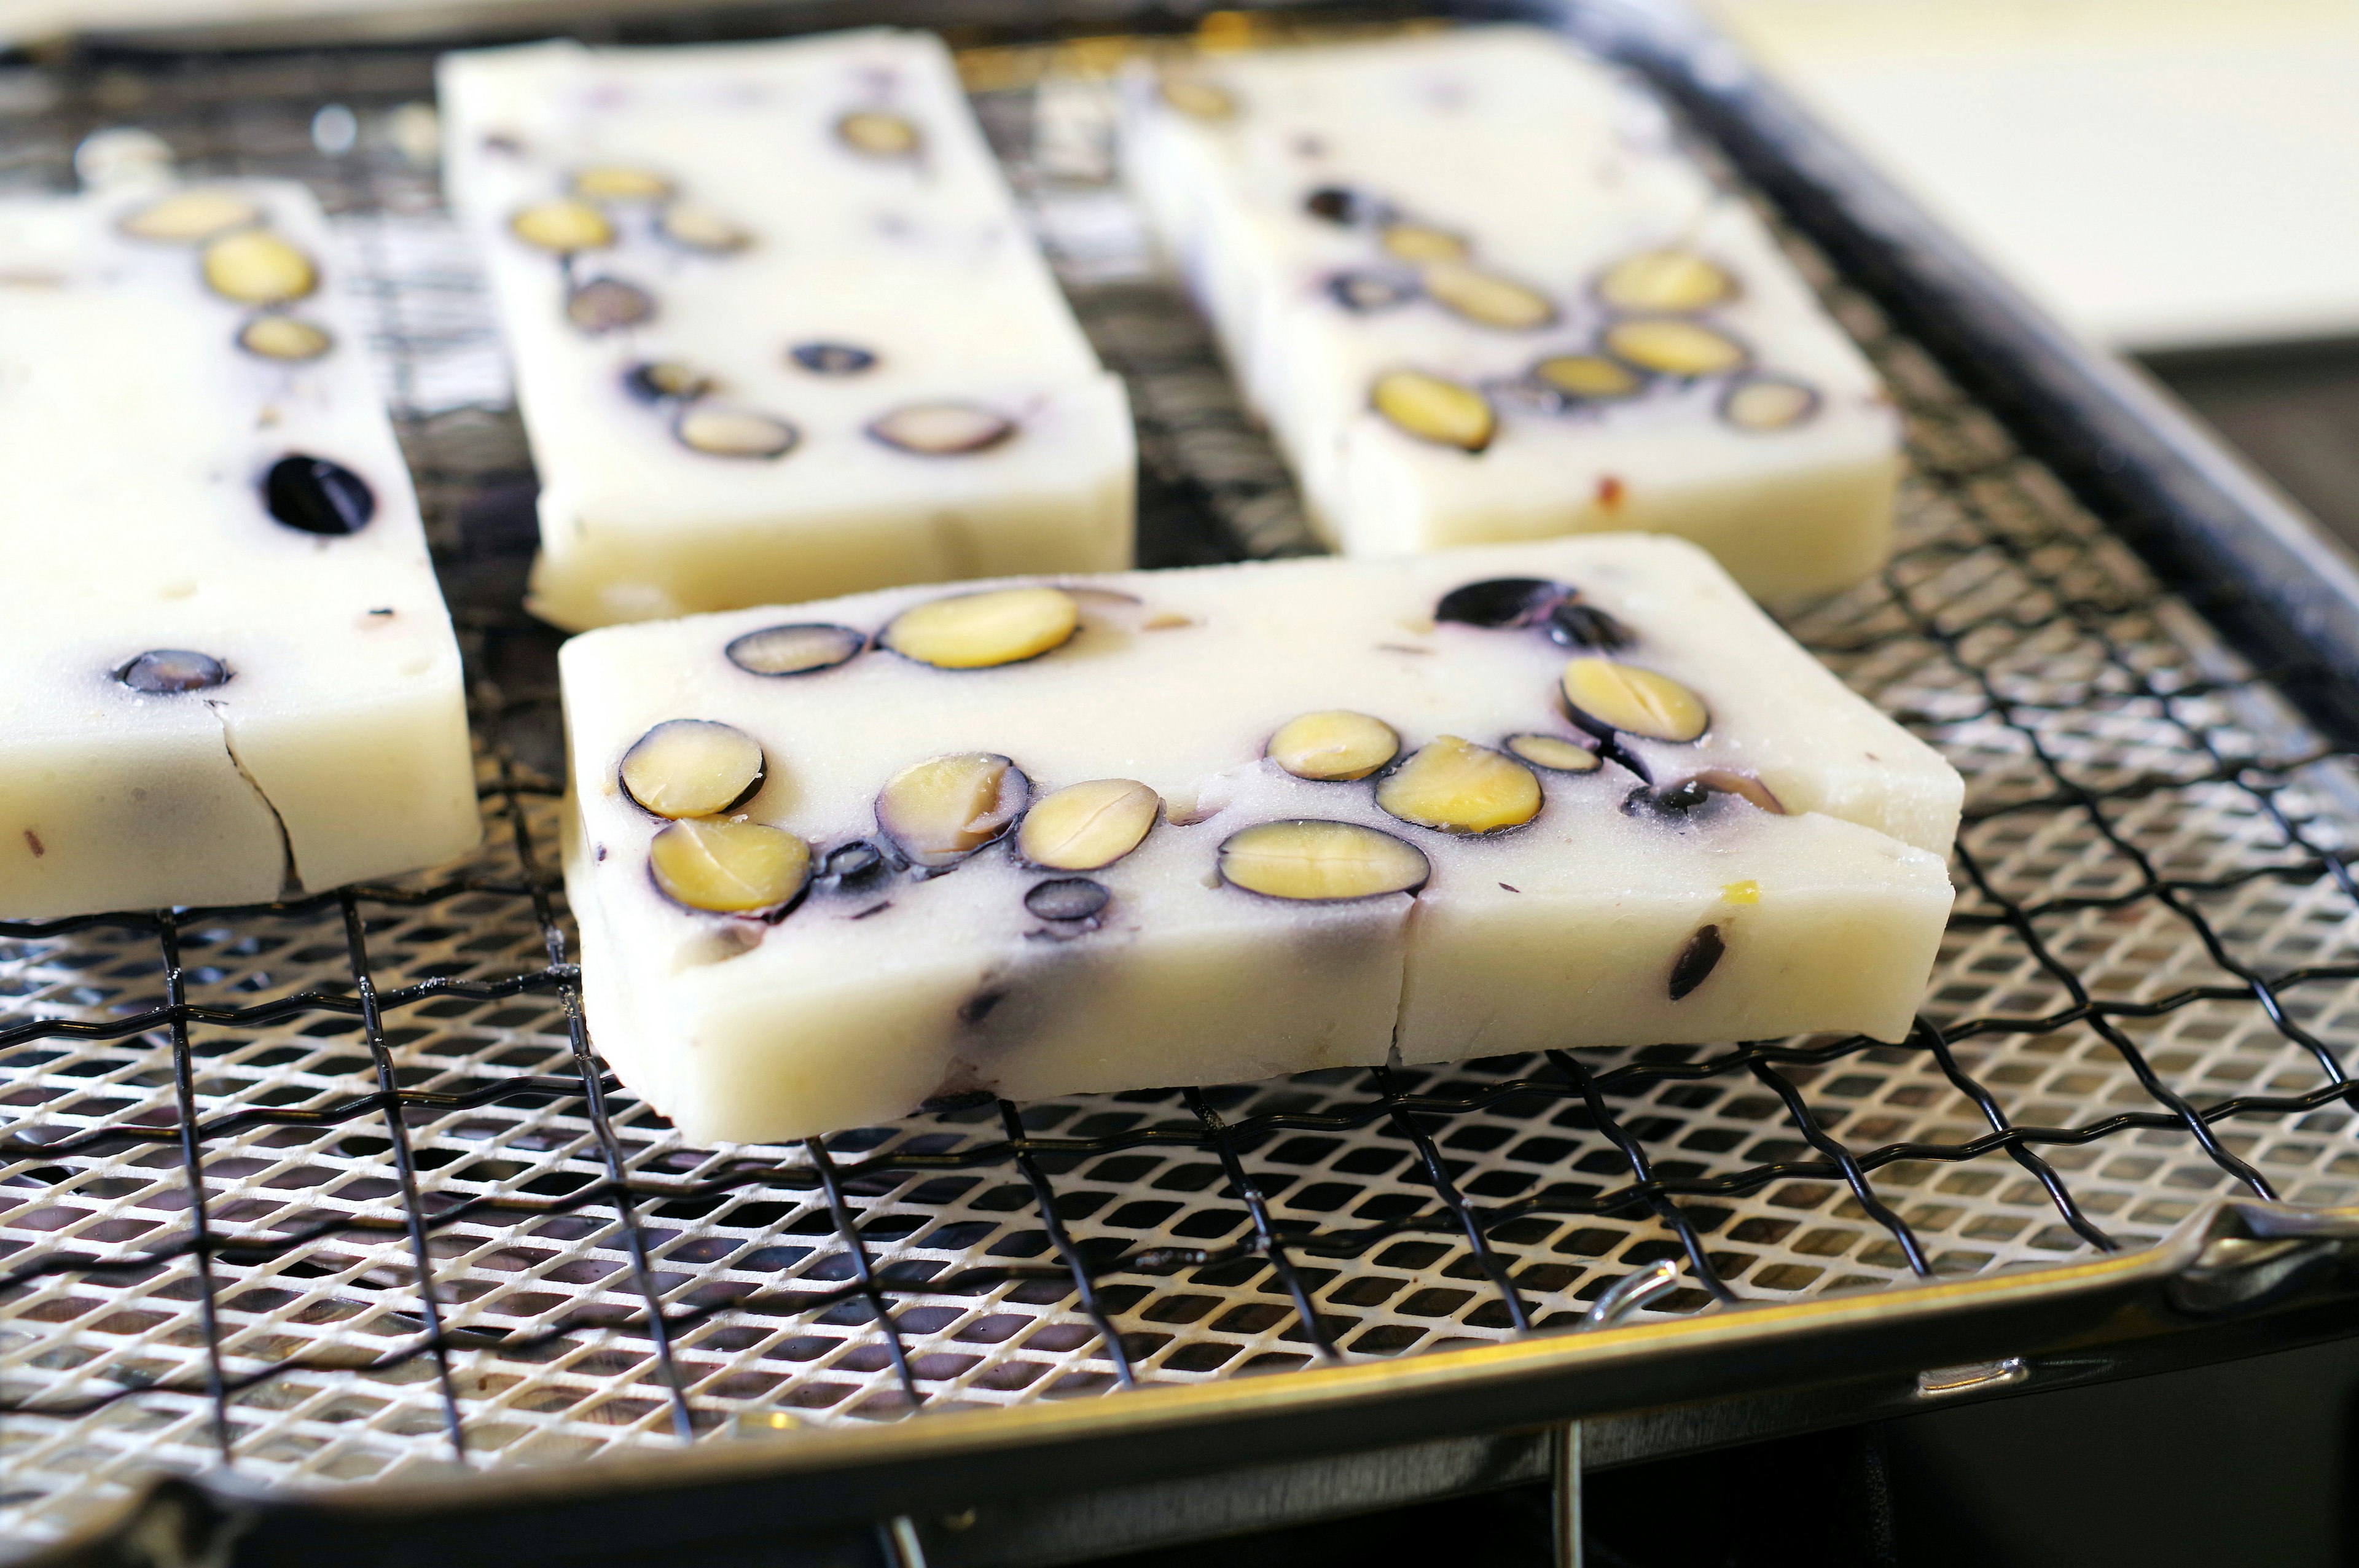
{"x":1092,"y":834}
{"x":1479,"y":294}
{"x":231,"y":676}
{"x":779,"y":332}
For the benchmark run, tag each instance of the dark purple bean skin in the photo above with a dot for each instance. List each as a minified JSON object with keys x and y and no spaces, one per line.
{"x":317,"y":496}
{"x":1696,"y":963}
{"x":166,"y":671}
{"x":1501,"y":601}
{"x":1067,"y":898}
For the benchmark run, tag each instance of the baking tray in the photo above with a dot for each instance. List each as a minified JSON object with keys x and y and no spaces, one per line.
{"x":329,"y":1208}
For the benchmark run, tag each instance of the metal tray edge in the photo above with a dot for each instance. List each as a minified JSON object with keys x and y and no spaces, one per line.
{"x":2231,"y":1259}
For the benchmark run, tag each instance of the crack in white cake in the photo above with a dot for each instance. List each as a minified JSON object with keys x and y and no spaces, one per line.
{"x":1479,"y":295}
{"x":1138,"y":830}
{"x":778,"y":330}
{"x":231,"y":676}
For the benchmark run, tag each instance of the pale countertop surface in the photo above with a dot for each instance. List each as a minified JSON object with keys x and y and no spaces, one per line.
{"x":2161,"y":174}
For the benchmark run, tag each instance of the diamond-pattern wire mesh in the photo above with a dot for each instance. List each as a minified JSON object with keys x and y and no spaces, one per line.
{"x":334,"y":1190}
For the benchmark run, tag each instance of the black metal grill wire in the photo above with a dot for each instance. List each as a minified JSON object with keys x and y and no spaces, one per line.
{"x":2061,"y":585}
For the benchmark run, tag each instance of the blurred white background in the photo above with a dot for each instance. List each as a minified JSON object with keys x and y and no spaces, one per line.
{"x":2162,"y":173}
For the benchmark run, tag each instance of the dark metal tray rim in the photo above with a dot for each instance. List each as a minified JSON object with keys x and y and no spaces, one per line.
{"x":2230,"y":1259}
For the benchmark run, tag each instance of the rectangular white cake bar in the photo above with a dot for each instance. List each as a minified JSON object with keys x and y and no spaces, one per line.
{"x":1479,"y":295}
{"x":231,"y":676}
{"x":1207,"y":826}
{"x":779,"y":332}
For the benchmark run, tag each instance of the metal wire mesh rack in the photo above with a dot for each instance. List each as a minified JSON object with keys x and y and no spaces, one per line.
{"x":337,"y":1192}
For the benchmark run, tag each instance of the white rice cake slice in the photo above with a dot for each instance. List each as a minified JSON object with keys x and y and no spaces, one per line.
{"x":779,"y":331}
{"x":231,"y":676}
{"x":1593,"y":336}
{"x":1780,"y":870}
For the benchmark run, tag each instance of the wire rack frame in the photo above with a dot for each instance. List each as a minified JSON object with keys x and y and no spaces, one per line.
{"x":337,"y":1190}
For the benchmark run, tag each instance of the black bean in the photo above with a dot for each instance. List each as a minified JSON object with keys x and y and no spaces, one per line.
{"x":1361,"y":292}
{"x":1067,"y":898}
{"x":661,"y":381}
{"x":1674,"y":801}
{"x":608,"y":304}
{"x":852,"y":862}
{"x":318,"y":496}
{"x":1698,"y":960}
{"x":832,"y":359}
{"x":165,"y":670}
{"x":1501,"y":601}
{"x":1334,"y":203}
{"x":799,"y":649}
{"x":1578,"y":625}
